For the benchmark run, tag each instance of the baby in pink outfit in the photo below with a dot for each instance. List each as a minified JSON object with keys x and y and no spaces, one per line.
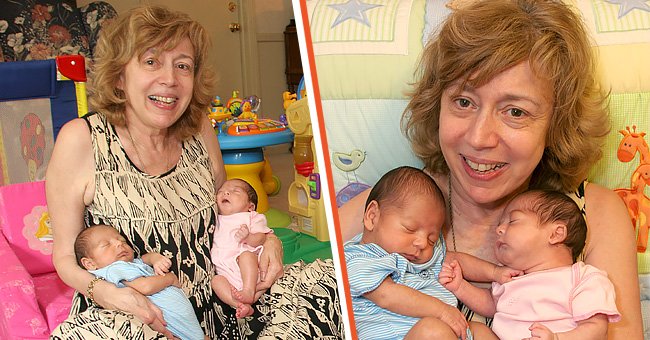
{"x":237,"y":244}
{"x":542,"y":234}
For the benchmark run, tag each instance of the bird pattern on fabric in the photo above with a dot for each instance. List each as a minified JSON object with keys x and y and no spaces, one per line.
{"x":348,"y":162}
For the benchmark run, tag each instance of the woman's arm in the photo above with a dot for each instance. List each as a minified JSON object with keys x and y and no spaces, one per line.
{"x":351,"y":215}
{"x":404,"y":300}
{"x":214,"y":151}
{"x":611,"y":246}
{"x":69,"y":188}
{"x":68,"y":180}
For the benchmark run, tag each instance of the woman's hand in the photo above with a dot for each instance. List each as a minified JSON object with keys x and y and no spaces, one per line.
{"x":129,"y":300}
{"x":270,"y":263}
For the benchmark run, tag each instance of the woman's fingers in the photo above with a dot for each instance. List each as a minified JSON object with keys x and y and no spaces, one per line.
{"x":270,"y":264}
{"x":153,"y":316}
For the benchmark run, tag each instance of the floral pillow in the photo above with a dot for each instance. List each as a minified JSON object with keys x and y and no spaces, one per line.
{"x":41,"y":29}
{"x":25,"y":223}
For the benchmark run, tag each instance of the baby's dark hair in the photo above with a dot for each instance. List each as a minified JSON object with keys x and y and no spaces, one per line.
{"x":81,"y":247}
{"x":397,"y":185}
{"x":553,"y":206}
{"x":250,"y":191}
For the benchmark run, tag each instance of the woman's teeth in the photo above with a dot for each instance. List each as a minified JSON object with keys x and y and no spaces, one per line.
{"x":480,"y":167}
{"x":166,"y":100}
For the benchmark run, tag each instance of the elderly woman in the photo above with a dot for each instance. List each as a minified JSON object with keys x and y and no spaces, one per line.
{"x":507,"y":101}
{"x":147,"y":163}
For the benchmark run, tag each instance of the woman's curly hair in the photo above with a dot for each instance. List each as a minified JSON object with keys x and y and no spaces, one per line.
{"x":485,"y":38}
{"x":131,"y":35}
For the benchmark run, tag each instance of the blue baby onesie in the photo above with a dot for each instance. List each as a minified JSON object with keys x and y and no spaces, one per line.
{"x":368,"y":265}
{"x":177,"y":309}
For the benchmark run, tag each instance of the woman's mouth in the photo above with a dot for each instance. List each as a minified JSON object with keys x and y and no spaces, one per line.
{"x":483,"y":167}
{"x":163,"y":100}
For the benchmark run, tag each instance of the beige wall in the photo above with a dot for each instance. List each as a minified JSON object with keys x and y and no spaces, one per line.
{"x":271,"y":18}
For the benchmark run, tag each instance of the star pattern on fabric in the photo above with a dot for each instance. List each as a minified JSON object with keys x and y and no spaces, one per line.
{"x":629,"y":5}
{"x":353,"y":9}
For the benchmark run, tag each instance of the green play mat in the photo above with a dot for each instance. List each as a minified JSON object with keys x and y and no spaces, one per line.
{"x":297,"y":246}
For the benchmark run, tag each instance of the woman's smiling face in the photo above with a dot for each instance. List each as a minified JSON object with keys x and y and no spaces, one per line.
{"x":158,"y":86}
{"x":493,"y":136}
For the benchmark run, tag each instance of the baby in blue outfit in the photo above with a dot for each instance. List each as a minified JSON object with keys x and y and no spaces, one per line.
{"x":393,"y":266}
{"x":104,"y":252}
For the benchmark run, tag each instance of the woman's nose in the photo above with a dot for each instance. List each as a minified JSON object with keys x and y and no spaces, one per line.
{"x":483,"y":132}
{"x":167,"y":75}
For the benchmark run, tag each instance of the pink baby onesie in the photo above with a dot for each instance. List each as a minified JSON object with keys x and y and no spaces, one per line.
{"x":226,"y":249}
{"x":558,"y":298}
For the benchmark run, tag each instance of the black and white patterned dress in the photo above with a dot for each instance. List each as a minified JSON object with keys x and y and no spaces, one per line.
{"x":175,"y":214}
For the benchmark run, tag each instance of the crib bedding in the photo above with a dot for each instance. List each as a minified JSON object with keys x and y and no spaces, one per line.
{"x":365,"y":68}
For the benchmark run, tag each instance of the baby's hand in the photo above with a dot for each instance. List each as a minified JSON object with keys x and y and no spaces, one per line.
{"x":455,"y":319}
{"x":541,"y":332}
{"x":503,"y":274}
{"x":160,"y":264}
{"x":451,"y":276}
{"x":242,"y":233}
{"x":173,"y":279}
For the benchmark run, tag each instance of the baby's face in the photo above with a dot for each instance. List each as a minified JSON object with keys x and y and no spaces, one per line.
{"x":521,"y":240}
{"x":233,"y":198}
{"x":411,"y":230}
{"x":107,"y":246}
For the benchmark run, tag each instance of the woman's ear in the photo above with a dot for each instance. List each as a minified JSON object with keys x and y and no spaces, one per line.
{"x":371,"y":215}
{"x":558,"y":233}
{"x":120,"y":82}
{"x":88,"y":263}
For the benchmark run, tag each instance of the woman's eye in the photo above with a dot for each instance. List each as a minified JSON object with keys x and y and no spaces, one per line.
{"x":515,"y":112}
{"x":149,"y":62}
{"x":463,"y":102}
{"x":185,"y":68}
